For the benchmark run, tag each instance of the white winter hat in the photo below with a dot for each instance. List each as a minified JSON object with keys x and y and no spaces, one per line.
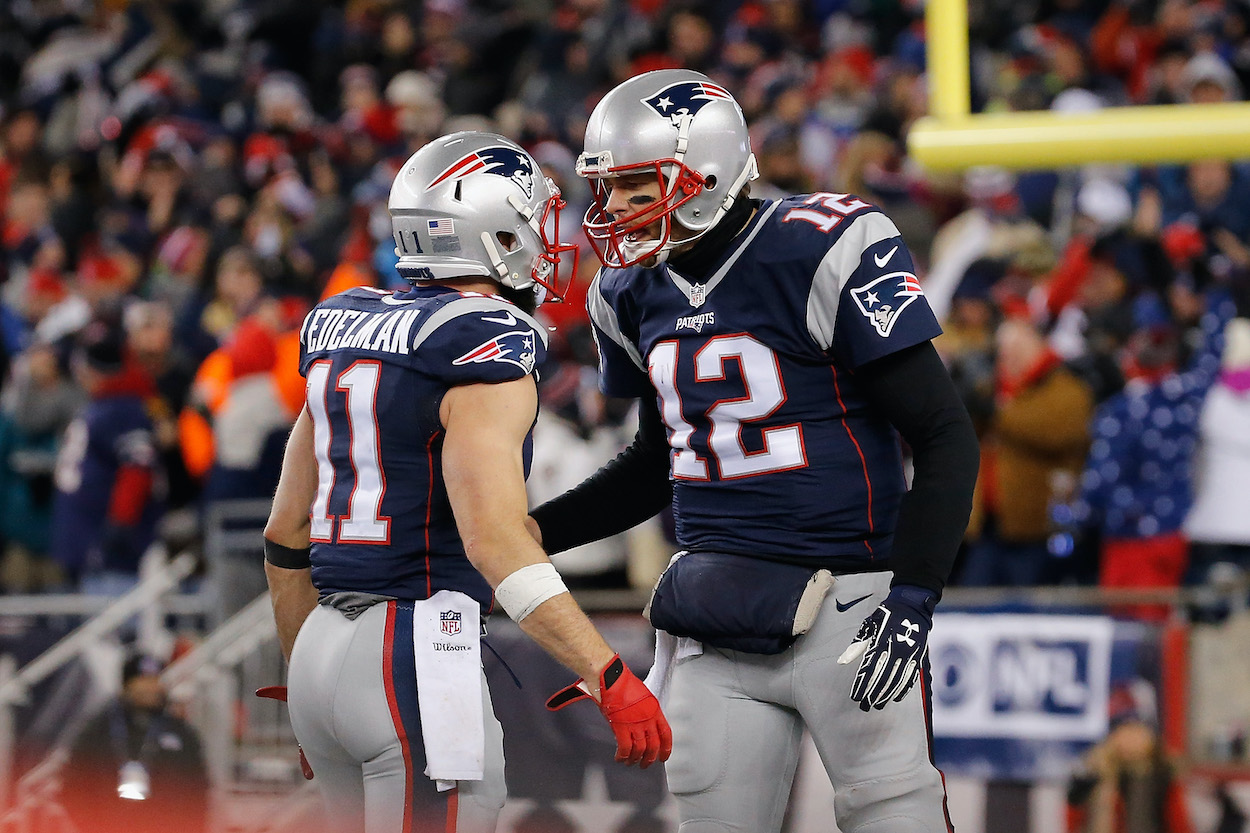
{"x":1236,"y":344}
{"x":1106,"y":202}
{"x":1207,"y":66}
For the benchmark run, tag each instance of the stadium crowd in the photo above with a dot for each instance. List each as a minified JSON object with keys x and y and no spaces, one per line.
{"x":180,"y":181}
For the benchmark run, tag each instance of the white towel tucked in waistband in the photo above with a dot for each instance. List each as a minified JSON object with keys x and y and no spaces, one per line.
{"x":446,"y":636}
{"x":669,"y":650}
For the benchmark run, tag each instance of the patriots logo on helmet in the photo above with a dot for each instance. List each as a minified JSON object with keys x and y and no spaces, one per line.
{"x":500,"y":161}
{"x":882,"y":300}
{"x":516,"y":347}
{"x":685,"y":98}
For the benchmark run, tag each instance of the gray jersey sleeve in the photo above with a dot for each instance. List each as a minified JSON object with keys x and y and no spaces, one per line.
{"x":837,"y":267}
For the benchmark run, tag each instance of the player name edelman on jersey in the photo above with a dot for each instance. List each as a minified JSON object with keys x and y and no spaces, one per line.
{"x":380,"y":332}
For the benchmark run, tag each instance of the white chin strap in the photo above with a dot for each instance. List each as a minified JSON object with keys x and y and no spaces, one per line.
{"x":510,"y":279}
{"x":502,"y":273}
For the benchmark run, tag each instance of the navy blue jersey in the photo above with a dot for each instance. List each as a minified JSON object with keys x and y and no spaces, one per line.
{"x":775,"y":451}
{"x":112,"y":432}
{"x":377,"y":366}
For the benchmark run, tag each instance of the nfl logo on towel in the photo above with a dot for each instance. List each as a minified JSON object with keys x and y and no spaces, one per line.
{"x":449,"y":621}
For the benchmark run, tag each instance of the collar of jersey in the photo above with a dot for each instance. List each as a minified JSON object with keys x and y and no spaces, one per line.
{"x":744,"y":238}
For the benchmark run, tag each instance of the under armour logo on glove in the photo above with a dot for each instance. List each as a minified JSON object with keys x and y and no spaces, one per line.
{"x":888,"y":668}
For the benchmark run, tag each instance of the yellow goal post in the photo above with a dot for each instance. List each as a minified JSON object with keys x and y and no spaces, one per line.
{"x":952,"y":138}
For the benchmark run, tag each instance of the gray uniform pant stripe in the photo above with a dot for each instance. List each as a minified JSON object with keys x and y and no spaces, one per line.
{"x":341,"y":716}
{"x":738,"y":720}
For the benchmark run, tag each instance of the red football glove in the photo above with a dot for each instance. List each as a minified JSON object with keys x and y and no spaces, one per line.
{"x":278,"y":692}
{"x":642,"y":733}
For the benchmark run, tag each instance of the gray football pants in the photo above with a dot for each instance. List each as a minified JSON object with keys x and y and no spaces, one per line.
{"x":738,"y":720}
{"x":361,"y":732}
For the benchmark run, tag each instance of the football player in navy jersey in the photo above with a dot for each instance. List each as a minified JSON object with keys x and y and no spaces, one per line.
{"x":400,"y":515}
{"x":780,"y":349}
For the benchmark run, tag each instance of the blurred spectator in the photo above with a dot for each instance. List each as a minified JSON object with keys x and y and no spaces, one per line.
{"x":1038,"y":434}
{"x":1218,"y":526}
{"x":237,"y":290}
{"x":1091,"y":300}
{"x":137,"y":767}
{"x":1207,"y":196}
{"x":249,"y":429}
{"x":152,"y":345}
{"x":1207,"y":79}
{"x":992,"y":226}
{"x":1127,"y":783}
{"x":419,"y":112}
{"x":109,"y":483}
{"x":35,"y":409}
{"x":1138,"y":481}
{"x":966,"y":344}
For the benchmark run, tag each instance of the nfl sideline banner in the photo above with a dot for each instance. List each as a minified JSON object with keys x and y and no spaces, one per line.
{"x":1020,"y":676}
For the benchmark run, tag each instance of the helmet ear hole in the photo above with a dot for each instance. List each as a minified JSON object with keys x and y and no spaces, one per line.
{"x":709,"y":184}
{"x":508,"y":240}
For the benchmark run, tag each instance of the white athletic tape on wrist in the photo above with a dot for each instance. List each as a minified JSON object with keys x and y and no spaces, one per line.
{"x":525,"y":589}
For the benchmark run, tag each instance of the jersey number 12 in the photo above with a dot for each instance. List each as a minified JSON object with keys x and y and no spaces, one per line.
{"x":761,"y":376}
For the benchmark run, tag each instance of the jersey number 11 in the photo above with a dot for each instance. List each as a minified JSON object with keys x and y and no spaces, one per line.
{"x":362,"y":523}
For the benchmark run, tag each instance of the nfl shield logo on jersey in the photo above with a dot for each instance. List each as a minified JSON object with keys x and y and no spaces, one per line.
{"x":698,"y":294}
{"x":449,"y":622}
{"x":882,"y":300}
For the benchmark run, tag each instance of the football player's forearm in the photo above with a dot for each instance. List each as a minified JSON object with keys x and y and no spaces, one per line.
{"x":293,"y":597}
{"x":564,"y":631}
{"x":913,"y":390}
{"x":558,"y":625}
{"x":933,"y":514}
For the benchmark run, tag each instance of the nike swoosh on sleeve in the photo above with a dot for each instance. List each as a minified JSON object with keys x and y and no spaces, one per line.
{"x":882,"y":261}
{"x":508,"y":319}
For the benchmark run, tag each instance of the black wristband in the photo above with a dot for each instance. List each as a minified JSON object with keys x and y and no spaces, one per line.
{"x":288,"y":558}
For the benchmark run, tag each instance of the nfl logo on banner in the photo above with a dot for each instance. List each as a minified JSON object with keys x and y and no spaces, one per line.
{"x":449,"y":621}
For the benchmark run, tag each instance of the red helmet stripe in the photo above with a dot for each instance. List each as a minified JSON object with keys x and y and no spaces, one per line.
{"x":464,"y":167}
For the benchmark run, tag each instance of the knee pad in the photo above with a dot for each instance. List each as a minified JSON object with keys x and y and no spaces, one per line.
{"x":915,"y":803}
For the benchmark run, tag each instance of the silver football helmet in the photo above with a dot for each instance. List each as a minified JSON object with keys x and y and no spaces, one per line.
{"x":689,"y":132}
{"x":476,"y":204}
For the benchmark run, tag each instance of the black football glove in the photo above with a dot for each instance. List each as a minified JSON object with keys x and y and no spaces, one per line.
{"x":892,"y":642}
